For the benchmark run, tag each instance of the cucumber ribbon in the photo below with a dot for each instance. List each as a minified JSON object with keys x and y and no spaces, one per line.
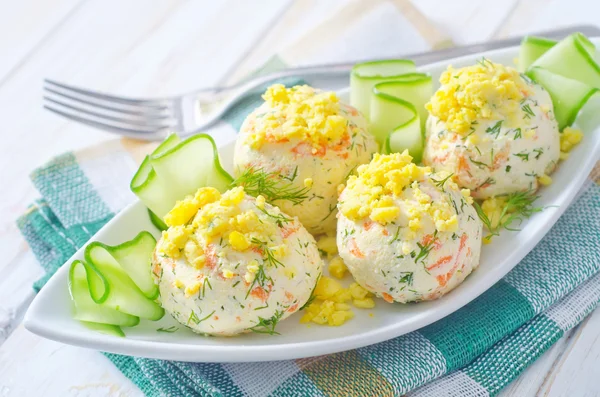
{"x":392,"y":95}
{"x":566,"y":69}
{"x":176,"y":169}
{"x":113,"y":286}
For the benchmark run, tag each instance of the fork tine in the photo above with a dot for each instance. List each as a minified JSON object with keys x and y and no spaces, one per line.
{"x":137,"y":111}
{"x":155,"y":133}
{"x":157,"y":103}
{"x":156,"y":122}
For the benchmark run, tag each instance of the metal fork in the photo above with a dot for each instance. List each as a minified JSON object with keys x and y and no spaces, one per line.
{"x":153,"y":119}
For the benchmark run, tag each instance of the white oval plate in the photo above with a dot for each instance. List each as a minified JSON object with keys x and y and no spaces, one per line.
{"x":49,"y":315}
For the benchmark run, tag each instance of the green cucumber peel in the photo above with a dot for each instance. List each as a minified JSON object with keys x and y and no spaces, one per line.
{"x":568,"y":95}
{"x":135,"y":257}
{"x":364,"y":76}
{"x":573,"y":58}
{"x":123,"y":293}
{"x":416,"y":88}
{"x":85,"y":309}
{"x":396,"y":122}
{"x":156,"y":221}
{"x":531,"y":49}
{"x":107,"y":329}
{"x":176,"y":169}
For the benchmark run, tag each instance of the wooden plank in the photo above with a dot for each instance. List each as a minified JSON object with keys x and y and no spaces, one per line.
{"x":537,"y":15}
{"x":466,"y":21}
{"x":364,"y":30}
{"x":32,"y":366}
{"x":306,"y":20}
{"x":530,"y":381}
{"x":576,"y":372}
{"x":26,"y":25}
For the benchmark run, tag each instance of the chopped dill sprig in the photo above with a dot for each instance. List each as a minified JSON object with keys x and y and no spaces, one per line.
{"x":280,"y":218}
{"x":169,"y":330}
{"x":528,"y":112}
{"x":518,"y":207}
{"x":406,"y":278}
{"x":480,"y":164}
{"x":272,"y":185}
{"x":440,"y":182}
{"x":523,"y":156}
{"x":260,"y":278}
{"x":488,"y":181}
{"x":268,"y":258}
{"x":267,"y":325}
{"x":485,"y":62}
{"x":312,"y":296}
{"x":425,"y":249}
{"x":518,"y":133}
{"x":194,"y":318}
{"x":205,"y":283}
{"x":495,"y":129}
{"x":332,"y":208}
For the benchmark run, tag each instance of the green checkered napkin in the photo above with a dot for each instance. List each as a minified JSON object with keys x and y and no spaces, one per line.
{"x":476,"y":351}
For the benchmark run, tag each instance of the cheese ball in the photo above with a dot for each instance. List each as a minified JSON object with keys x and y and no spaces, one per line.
{"x":232,"y":263}
{"x":407,"y":234}
{"x":493,"y":129}
{"x":306,"y":142}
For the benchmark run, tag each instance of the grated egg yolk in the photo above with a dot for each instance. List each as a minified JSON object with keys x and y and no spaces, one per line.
{"x":379,"y":185}
{"x":337,"y":267}
{"x":328,"y":245}
{"x":185,"y":209}
{"x":299,"y":112}
{"x":569,"y":138}
{"x":492,"y":207}
{"x":216,"y":216}
{"x":330,"y":307}
{"x":485,"y":91}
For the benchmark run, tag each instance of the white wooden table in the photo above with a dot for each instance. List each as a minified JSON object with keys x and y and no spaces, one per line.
{"x":159,"y":47}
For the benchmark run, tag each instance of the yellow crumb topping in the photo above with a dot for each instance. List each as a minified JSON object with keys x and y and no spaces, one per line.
{"x":378,"y":187}
{"x":569,"y":138}
{"x":185,"y":209}
{"x":238,"y":241}
{"x":328,"y":245}
{"x":210,"y":216}
{"x":545,"y":180}
{"x":299,"y":112}
{"x":486,"y":91}
{"x":337,"y":267}
{"x":329,"y":306}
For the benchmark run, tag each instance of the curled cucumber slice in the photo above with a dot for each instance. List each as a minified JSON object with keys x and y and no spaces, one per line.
{"x":135,"y":257}
{"x":416,"y":88}
{"x":364,"y":76}
{"x":531,"y":49}
{"x":178,"y":168}
{"x":123,"y":293}
{"x":573,"y":58}
{"x":400,"y":122}
{"x":568,"y":95}
{"x":85,"y":309}
{"x":398,"y":113}
{"x":107,"y":329}
{"x":156,"y":221}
